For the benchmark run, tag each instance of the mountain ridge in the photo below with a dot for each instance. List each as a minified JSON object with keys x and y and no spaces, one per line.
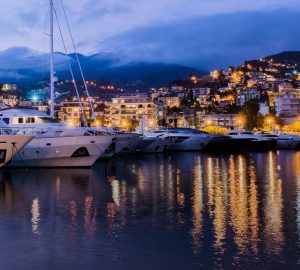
{"x":24,"y":66}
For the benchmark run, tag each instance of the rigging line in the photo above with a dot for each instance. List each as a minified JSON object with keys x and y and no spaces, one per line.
{"x":70,"y":67}
{"x":78,"y":61}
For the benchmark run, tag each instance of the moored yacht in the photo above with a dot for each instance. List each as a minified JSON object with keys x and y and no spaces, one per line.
{"x":54,"y":144}
{"x":284,"y":141}
{"x":184,"y":139}
{"x":252,"y":141}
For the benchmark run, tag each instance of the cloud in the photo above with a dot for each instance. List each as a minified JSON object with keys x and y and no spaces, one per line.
{"x":212,"y":41}
{"x":206,"y":33}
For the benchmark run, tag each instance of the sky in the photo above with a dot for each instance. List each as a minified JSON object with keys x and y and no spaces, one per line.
{"x":205,"y":34}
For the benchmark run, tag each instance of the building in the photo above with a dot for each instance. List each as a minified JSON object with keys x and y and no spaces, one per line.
{"x":221,"y":120}
{"x":129,"y":108}
{"x":264,"y":108}
{"x":273,"y":96}
{"x":71,"y":112}
{"x":169,"y":101}
{"x":9,"y":100}
{"x":245,"y":95}
{"x":287,"y":105}
{"x":197,"y":92}
{"x":9,"y":87}
{"x":38,"y":105}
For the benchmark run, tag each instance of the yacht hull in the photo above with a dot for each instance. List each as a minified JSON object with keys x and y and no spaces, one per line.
{"x":226,"y":144}
{"x":10,"y":145}
{"x":288,"y":144}
{"x":193,"y":143}
{"x":154,"y":145}
{"x":125,"y":144}
{"x":79,"y":151}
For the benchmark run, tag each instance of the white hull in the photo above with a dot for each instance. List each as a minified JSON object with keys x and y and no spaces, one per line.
{"x":77,"y":151}
{"x":10,"y":145}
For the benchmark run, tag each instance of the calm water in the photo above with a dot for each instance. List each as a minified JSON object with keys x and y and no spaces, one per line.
{"x":180,"y":211}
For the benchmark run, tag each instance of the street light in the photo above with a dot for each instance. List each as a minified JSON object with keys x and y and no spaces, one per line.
{"x":240,"y":122}
{"x":269,"y":121}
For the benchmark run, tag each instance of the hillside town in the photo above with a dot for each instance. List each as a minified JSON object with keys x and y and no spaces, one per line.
{"x":261,"y":94}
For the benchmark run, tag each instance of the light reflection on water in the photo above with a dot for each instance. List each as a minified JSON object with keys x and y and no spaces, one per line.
{"x":186,"y":210}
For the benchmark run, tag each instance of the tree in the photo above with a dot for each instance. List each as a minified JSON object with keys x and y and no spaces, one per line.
{"x":269,"y":121}
{"x":250,"y":114}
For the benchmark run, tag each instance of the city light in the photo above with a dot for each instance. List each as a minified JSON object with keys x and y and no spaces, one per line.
{"x":35,"y":98}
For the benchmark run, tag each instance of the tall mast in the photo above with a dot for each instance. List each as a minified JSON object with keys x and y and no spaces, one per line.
{"x":51,"y":61}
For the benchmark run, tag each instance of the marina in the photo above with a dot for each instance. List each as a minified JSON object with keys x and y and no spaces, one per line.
{"x":149,"y":135}
{"x":180,"y":210}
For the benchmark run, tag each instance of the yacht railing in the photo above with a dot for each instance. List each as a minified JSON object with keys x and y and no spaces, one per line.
{"x":54,"y":131}
{"x":16,"y":131}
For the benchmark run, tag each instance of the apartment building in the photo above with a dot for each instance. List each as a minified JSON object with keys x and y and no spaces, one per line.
{"x":129,"y":108}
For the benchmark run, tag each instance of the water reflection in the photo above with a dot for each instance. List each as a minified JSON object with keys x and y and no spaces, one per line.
{"x":35,"y":211}
{"x":274,"y":207}
{"x":218,"y":211}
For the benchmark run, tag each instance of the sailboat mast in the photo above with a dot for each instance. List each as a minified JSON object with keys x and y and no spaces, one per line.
{"x":51,"y":61}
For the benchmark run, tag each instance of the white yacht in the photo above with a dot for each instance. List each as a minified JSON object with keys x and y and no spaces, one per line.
{"x":284,"y":141}
{"x":184,"y":139}
{"x":10,"y":145}
{"x":54,"y":144}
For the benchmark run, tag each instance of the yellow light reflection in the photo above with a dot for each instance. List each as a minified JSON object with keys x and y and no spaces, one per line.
{"x":274,"y":208}
{"x":197,"y":200}
{"x":35,"y":216}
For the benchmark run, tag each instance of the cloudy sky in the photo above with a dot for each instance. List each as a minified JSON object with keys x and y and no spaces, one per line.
{"x":205,"y":34}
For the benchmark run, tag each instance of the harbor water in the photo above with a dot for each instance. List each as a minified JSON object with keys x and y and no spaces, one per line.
{"x":160,"y":211}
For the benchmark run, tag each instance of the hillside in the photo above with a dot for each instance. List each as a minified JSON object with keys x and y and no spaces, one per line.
{"x":288,"y":57}
{"x":25,"y":67}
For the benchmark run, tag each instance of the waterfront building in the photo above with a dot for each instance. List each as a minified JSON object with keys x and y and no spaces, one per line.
{"x":71,"y":112}
{"x":131,"y":107}
{"x":220,"y":120}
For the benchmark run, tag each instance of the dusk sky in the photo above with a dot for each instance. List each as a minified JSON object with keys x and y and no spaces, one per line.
{"x":205,"y":34}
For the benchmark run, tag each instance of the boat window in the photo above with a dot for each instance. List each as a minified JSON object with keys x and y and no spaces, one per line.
{"x":47,"y":120}
{"x":20,"y":120}
{"x":233,"y":133}
{"x":32,"y":120}
{"x":247,"y":133}
{"x":27,"y":120}
{"x":5,"y":120}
